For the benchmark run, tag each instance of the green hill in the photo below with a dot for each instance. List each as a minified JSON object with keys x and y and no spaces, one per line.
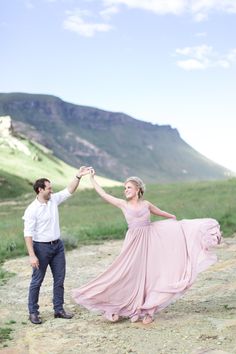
{"x":12,"y":186}
{"x":23,"y":161}
{"x":115,"y":144}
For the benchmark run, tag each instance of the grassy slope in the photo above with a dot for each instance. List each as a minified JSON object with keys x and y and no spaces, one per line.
{"x":12,"y":186}
{"x":18,"y":171}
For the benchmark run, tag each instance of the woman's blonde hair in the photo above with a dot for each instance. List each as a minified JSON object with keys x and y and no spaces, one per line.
{"x":138,"y":183}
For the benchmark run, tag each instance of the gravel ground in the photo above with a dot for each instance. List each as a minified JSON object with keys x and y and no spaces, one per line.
{"x":203,"y":321}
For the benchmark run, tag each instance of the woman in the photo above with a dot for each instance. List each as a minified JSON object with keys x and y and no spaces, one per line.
{"x":158,"y":262}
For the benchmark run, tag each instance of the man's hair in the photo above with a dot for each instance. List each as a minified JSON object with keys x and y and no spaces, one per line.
{"x":40,"y":183}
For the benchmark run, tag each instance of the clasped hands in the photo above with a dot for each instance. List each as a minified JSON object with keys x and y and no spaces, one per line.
{"x":85,"y":170}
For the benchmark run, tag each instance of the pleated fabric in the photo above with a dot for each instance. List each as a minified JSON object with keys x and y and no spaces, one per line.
{"x":158,"y":262}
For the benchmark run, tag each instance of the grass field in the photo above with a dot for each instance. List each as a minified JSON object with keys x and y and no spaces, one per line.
{"x":86,"y":218}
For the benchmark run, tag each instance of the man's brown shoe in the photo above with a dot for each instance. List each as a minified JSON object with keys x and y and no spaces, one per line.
{"x":63,"y":314}
{"x":34,"y":318}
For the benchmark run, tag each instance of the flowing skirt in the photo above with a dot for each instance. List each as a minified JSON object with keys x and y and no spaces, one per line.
{"x":156,"y":265}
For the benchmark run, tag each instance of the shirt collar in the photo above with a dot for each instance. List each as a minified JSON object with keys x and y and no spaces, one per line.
{"x":39,"y":203}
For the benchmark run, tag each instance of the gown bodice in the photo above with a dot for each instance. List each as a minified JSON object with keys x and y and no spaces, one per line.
{"x":137,"y":217}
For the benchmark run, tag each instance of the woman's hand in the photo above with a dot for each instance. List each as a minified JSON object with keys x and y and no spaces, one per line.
{"x":92,"y":172}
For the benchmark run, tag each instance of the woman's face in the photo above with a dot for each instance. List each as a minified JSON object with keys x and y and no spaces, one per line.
{"x":131,"y":190}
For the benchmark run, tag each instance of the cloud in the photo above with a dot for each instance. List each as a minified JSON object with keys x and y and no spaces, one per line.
{"x":157,"y":6}
{"x":109,"y":12}
{"x":231,"y":56}
{"x":204,"y":6}
{"x":204,"y":57}
{"x":200,"y":17}
{"x":191,"y":64}
{"x":198,"y":52}
{"x":75,"y":22}
{"x":199,"y":9}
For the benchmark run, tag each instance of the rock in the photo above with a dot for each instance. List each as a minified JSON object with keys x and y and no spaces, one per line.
{"x":5,"y":126}
{"x":8,"y":138}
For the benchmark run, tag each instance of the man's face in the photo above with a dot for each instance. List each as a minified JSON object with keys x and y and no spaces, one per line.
{"x":46,"y":192}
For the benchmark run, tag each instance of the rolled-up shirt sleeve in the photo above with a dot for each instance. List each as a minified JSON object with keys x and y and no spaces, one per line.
{"x":61,"y":196}
{"x":29,"y":223}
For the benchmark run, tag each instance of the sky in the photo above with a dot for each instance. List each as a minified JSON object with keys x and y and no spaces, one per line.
{"x":168,"y":62}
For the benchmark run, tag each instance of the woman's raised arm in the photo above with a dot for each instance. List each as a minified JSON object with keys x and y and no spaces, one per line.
{"x":107,"y":197}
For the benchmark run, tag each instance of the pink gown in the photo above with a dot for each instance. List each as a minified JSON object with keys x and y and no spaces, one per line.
{"x":158,"y":262}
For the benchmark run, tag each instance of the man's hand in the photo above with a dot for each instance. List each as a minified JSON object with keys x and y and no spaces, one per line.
{"x":84,"y":170}
{"x":34,"y":262}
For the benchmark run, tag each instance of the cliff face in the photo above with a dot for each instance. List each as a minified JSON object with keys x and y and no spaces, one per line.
{"x":6,"y":129}
{"x":115,"y":144}
{"x":9,"y":138}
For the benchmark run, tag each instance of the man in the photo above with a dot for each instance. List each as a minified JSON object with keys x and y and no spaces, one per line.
{"x":42,"y":237}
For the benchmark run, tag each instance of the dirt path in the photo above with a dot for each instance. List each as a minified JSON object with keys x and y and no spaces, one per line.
{"x":203,"y":321}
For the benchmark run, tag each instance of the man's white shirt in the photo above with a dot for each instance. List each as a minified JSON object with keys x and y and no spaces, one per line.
{"x":41,"y":220}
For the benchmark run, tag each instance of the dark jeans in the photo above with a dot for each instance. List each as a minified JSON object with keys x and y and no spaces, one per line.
{"x":54,"y":256}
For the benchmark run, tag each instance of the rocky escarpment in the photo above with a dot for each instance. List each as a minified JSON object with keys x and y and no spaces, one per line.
{"x":115,"y":144}
{"x":9,"y":138}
